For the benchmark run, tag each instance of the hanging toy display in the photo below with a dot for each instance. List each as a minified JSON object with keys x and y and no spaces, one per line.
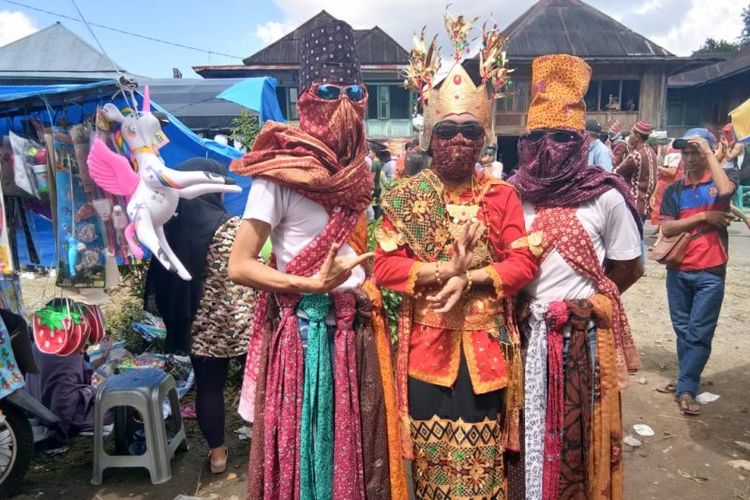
{"x":80,"y":229}
{"x":64,"y":326}
{"x":152,"y":192}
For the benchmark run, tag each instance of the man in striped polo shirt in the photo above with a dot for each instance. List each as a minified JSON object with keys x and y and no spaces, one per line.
{"x":698,"y":204}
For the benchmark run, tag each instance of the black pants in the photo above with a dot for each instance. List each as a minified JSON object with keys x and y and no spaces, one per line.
{"x":210,"y":379}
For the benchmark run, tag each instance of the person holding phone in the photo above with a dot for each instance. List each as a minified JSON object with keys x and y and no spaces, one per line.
{"x":698,"y":204}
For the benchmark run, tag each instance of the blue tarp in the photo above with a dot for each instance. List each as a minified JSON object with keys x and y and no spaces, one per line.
{"x":258,"y":94}
{"x":72,"y":103}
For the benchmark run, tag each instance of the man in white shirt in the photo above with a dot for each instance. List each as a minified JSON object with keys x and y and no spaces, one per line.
{"x":311,"y":186}
{"x":584,"y":229}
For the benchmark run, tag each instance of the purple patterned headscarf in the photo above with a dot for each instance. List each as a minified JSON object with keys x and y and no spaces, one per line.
{"x":557,"y":174}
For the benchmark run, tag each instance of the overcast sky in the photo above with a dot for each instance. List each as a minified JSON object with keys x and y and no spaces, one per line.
{"x":241,"y":27}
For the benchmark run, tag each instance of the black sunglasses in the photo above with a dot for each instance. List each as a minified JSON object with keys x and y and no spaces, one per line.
{"x":450,"y":129}
{"x":556,"y":135}
{"x":331,"y":92}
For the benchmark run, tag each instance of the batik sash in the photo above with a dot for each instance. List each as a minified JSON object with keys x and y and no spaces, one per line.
{"x":564,"y":232}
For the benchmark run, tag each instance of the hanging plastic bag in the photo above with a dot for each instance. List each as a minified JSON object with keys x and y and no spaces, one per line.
{"x":25,"y":152}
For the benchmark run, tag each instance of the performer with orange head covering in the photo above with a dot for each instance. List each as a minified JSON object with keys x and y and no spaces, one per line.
{"x":585,"y":230}
{"x":449,"y":243}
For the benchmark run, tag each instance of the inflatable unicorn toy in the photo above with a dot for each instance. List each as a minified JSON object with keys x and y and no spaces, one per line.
{"x":152,"y":192}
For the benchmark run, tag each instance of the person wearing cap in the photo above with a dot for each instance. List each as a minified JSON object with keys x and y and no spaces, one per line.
{"x":639,"y":167}
{"x":585,"y":231}
{"x":312,"y":353}
{"x":446,"y":245}
{"x":599,"y":154}
{"x":698,"y":204}
{"x":617,"y":144}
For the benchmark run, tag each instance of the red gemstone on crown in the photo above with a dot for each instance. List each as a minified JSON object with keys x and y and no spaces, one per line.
{"x":457,"y":79}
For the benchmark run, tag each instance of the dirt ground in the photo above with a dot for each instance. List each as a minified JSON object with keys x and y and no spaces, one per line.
{"x":686,"y":459}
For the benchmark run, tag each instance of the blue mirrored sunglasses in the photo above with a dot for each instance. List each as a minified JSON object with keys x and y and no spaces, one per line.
{"x":331,"y":92}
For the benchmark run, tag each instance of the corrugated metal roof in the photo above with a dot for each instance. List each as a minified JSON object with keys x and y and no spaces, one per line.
{"x":374,"y":46}
{"x":576,"y":28}
{"x":54,"y":51}
{"x":708,"y":74}
{"x":194,"y":101}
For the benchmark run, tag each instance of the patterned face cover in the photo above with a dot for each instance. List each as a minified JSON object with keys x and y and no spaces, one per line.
{"x":454,"y":159}
{"x":337,"y":123}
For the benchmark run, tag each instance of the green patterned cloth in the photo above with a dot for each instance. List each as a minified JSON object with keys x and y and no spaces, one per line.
{"x":316,"y":434}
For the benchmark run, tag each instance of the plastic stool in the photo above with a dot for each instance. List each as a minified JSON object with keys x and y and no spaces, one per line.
{"x":143,"y":390}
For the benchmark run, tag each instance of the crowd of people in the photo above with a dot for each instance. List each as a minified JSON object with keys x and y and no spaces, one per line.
{"x":498,"y":370}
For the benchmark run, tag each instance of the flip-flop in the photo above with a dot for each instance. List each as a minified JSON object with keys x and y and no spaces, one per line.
{"x":220,"y":468}
{"x":668,"y":388}
{"x":688,"y":405}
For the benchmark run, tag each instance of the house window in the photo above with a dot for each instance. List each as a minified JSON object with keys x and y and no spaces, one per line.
{"x":384,"y":102}
{"x":400,"y":103}
{"x":291,"y":110}
{"x":372,"y":102}
{"x":674,"y":114}
{"x":517,"y":98}
{"x":613,"y":95}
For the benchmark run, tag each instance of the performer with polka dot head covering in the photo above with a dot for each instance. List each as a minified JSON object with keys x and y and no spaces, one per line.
{"x":313,"y":352}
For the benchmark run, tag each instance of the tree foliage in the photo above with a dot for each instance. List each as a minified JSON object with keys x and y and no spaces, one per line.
{"x":245,"y":128}
{"x":744,"y":39}
{"x":713,"y":46}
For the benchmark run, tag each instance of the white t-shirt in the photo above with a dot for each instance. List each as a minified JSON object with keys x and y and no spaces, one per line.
{"x":295,"y":221}
{"x":613,"y":232}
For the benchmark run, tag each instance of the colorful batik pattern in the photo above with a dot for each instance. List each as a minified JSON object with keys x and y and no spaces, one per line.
{"x":457,"y":460}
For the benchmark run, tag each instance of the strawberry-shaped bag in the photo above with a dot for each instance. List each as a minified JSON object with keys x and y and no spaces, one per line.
{"x":78,"y":333}
{"x":96,"y":321}
{"x":53,"y":326}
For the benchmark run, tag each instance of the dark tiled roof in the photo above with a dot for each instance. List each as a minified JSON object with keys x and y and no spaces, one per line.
{"x":576,"y":28}
{"x":374,"y":46}
{"x":708,"y":74}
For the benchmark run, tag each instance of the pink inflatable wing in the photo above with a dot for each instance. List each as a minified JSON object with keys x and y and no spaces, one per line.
{"x":110,"y":171}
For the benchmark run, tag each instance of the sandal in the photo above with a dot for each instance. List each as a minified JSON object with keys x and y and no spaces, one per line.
{"x":688,"y":405}
{"x":668,"y":388}
{"x":219,"y":468}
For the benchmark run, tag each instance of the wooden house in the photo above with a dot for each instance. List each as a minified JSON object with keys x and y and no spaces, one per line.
{"x":382,"y":60}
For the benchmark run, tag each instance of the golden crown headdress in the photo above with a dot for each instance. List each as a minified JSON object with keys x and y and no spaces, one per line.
{"x":457,"y":93}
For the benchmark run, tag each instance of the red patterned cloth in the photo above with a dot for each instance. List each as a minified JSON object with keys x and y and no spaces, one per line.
{"x":556,"y":318}
{"x":564,"y":232}
{"x":282,"y":404}
{"x":298,"y":159}
{"x":348,"y":472}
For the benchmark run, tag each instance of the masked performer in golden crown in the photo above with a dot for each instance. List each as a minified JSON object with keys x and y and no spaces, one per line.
{"x":449,"y":244}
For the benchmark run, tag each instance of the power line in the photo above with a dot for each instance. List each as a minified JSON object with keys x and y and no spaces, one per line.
{"x":117,"y":30}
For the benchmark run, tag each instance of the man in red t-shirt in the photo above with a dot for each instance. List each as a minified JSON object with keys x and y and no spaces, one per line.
{"x":697,"y":204}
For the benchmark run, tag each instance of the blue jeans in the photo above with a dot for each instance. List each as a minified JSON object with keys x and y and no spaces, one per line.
{"x":695,"y":299}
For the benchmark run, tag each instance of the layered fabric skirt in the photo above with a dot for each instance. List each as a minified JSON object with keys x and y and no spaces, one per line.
{"x":457,"y":440}
{"x":298,"y":458}
{"x":572,"y":411}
